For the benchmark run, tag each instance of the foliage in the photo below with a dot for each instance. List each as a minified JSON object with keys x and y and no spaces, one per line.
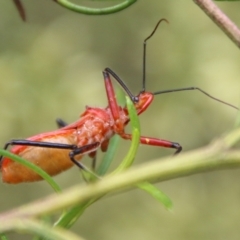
{"x":218,"y":155}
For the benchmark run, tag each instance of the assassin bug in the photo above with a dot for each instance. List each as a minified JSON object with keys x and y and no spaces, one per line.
{"x":58,"y":150}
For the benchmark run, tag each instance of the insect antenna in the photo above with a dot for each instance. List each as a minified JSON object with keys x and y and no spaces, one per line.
{"x":195,"y":88}
{"x":120,"y":81}
{"x":172,"y":90}
{"x":144,"y":52}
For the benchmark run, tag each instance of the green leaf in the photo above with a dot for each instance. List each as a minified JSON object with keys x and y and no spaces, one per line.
{"x":157,"y":194}
{"x":71,"y":216}
{"x":109,"y":155}
{"x":33,"y":167}
{"x":113,"y":144}
{"x":3,"y":237}
{"x":128,"y":160}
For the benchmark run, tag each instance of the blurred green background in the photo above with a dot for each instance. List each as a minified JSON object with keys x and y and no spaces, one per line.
{"x":52,"y":66}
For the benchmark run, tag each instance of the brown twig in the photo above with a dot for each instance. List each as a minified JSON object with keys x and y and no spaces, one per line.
{"x":20,"y":9}
{"x":219,"y":17}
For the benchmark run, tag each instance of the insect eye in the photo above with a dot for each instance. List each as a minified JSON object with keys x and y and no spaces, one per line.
{"x":135,"y":99}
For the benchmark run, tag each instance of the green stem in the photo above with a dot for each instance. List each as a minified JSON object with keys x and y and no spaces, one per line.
{"x":206,"y":159}
{"x":213,"y":157}
{"x":38,"y":228}
{"x":95,"y":11}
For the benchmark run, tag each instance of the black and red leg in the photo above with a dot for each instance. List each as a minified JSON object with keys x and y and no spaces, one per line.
{"x":74,"y":150}
{"x":115,"y":113}
{"x":156,"y":142}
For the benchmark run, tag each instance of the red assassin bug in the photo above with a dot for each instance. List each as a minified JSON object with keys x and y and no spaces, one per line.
{"x":58,"y":150}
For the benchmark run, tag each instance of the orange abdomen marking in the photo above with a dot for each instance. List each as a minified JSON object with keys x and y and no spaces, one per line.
{"x":51,"y":160}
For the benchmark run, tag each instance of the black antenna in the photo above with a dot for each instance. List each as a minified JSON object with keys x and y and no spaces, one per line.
{"x":144,"y":52}
{"x":195,"y":88}
{"x":172,"y":90}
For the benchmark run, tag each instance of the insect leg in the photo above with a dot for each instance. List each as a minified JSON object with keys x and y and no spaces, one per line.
{"x":93,"y":155}
{"x":24,"y":142}
{"x":156,"y":142}
{"x":112,"y":101}
{"x":61,"y":123}
{"x":76,"y":150}
{"x":83,"y":150}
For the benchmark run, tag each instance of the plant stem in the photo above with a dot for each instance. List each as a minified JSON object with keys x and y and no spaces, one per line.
{"x":95,"y":11}
{"x":220,"y":18}
{"x":213,"y":157}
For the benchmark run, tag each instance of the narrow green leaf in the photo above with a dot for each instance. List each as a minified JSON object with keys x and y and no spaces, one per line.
{"x":69,"y":218}
{"x":157,"y":194}
{"x":109,"y":156}
{"x":3,"y":237}
{"x":39,"y":228}
{"x":237,"y":122}
{"x":128,"y":160}
{"x":134,"y":120}
{"x":33,"y":167}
